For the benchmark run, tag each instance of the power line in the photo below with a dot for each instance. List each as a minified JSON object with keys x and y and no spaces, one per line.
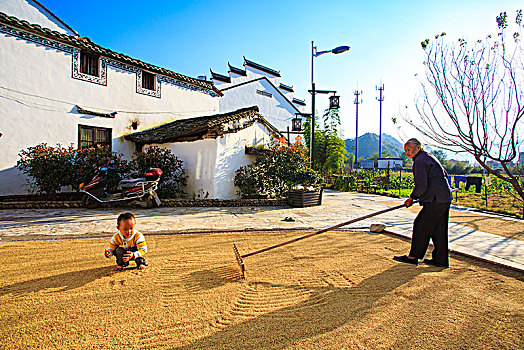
{"x":96,"y":108}
{"x":33,"y":104}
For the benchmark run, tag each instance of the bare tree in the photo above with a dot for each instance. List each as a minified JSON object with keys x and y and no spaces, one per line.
{"x":472,"y":98}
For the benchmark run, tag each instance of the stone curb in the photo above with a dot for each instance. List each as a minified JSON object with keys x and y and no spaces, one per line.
{"x":165,"y":203}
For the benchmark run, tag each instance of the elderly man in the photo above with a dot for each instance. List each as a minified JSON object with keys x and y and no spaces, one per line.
{"x":434,"y":194}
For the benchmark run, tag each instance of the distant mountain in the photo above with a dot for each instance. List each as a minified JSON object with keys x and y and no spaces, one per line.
{"x":368,"y":144}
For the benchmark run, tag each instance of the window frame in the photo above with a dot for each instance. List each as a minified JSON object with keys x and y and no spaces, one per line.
{"x":89,"y":64}
{"x":148,"y":79}
{"x":108,"y":142}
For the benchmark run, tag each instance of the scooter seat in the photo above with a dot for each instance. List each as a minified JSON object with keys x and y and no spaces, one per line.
{"x":131,"y":183}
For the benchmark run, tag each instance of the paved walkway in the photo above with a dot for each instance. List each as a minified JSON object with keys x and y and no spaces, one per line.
{"x":337,"y":207}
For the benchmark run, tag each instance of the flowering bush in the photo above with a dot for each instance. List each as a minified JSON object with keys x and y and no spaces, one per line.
{"x":51,"y":168}
{"x":48,"y":166}
{"x":173,"y":178}
{"x":276,"y":171}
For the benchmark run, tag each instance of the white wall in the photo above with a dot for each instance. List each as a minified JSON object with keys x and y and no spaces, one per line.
{"x":276,"y":110}
{"x":199,"y":161}
{"x":211,"y":164}
{"x":253,"y":73}
{"x":389,"y":163}
{"x":231,"y":156}
{"x":38,"y":97}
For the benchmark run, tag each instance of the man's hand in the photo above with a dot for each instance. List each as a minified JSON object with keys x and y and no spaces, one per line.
{"x":127,"y":256}
{"x":409,"y":202}
{"x":107,"y":253}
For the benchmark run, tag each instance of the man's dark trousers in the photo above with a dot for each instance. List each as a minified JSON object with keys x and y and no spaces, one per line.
{"x":431,"y":222}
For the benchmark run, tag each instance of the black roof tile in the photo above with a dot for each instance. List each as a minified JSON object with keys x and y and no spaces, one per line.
{"x":86,"y":44}
{"x":174,"y":130}
{"x":220,"y":77}
{"x":236,"y":70}
{"x":286,"y":87}
{"x":299,"y":102}
{"x":261,"y":67}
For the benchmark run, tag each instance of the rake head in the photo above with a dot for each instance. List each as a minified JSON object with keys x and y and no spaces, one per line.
{"x":239,"y":260}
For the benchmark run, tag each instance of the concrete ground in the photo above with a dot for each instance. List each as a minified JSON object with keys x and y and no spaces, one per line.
{"x":337,"y":207}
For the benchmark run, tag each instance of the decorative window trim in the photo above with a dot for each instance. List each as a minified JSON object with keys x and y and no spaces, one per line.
{"x":104,"y":62}
{"x":76,"y":74}
{"x":185,"y":86}
{"x":35,"y":38}
{"x":144,"y":91}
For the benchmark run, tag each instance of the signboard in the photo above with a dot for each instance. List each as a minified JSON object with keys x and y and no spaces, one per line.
{"x":391,"y":163}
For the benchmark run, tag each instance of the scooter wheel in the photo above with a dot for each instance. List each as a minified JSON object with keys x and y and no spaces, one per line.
{"x":88,"y":202}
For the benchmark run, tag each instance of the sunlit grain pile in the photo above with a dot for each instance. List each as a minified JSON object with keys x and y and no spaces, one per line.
{"x":337,"y":290}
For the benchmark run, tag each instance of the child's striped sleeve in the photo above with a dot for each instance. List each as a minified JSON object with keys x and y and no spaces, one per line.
{"x":112,"y":245}
{"x":140,"y":245}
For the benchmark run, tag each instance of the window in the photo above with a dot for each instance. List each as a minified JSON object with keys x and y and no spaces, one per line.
{"x":89,"y":64}
{"x":89,"y":136}
{"x":148,"y":80}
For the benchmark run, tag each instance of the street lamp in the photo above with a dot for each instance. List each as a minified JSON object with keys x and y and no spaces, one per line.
{"x":296,"y":127}
{"x":296,"y":124}
{"x":334,"y":102}
{"x":315,"y":53}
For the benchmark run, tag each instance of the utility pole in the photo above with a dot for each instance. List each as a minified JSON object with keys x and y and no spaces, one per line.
{"x":357,"y":102}
{"x":312,"y":127}
{"x":380,"y":99}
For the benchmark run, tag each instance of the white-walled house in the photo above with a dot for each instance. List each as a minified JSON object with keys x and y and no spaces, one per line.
{"x":59,"y":88}
{"x":258,"y":85}
{"x":212,"y":147}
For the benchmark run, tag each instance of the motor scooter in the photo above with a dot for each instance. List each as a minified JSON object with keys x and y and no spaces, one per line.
{"x":140,"y":191}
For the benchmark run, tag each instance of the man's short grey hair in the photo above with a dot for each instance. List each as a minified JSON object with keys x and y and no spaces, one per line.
{"x":413,"y":142}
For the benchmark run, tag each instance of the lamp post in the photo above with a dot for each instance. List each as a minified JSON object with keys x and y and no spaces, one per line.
{"x":315,"y":53}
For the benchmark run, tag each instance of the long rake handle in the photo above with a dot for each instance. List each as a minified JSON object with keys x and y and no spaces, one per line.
{"x":324,"y":230}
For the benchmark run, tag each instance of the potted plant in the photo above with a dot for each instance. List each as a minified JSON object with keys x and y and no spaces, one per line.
{"x":301,"y":197}
{"x":279,"y":171}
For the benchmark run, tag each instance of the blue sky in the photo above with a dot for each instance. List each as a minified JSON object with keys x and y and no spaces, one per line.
{"x":190,"y":37}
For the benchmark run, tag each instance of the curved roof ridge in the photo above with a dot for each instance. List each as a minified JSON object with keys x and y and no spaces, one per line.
{"x":261,"y":67}
{"x":236,"y":70}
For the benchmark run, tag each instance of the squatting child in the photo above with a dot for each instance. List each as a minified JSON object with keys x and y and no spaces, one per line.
{"x":127,"y":244}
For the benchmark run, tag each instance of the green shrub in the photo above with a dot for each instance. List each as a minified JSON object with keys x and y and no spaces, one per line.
{"x":276,"y":171}
{"x":247,"y":182}
{"x":173,"y":179}
{"x":344,"y":183}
